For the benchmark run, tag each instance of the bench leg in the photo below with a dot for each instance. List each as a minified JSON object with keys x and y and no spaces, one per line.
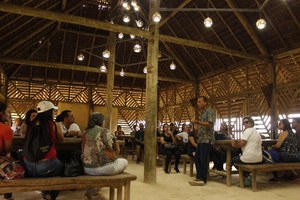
{"x":184,"y":166}
{"x":191,"y":167}
{"x":119,"y":193}
{"x":111,"y":193}
{"x":254,"y":186}
{"x":241,"y":177}
{"x":127,"y":191}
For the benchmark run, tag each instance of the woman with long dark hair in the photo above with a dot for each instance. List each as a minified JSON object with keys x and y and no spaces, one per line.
{"x":29,"y":117}
{"x":49,"y":165}
{"x":285,"y":149}
{"x":169,"y":148}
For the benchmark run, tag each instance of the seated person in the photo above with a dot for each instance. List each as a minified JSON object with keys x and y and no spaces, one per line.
{"x":217,"y":153}
{"x":99,"y":150}
{"x":251,"y":146}
{"x":296,"y":127}
{"x":139,"y":141}
{"x":66,"y":120}
{"x":119,"y":131}
{"x":49,"y":165}
{"x":285,"y":149}
{"x":169,"y":148}
{"x":17,"y":127}
{"x":193,"y":135}
{"x":29,"y":117}
{"x":183,"y":139}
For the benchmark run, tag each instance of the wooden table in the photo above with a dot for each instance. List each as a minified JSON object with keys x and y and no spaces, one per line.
{"x":227,"y":145}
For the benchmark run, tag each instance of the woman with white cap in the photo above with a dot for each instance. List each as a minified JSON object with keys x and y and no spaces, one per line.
{"x":49,"y":165}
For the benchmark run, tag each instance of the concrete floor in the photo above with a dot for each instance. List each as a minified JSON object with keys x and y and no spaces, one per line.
{"x":175,"y":186}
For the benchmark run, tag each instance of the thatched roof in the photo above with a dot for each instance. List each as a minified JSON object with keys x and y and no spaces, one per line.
{"x":40,"y":40}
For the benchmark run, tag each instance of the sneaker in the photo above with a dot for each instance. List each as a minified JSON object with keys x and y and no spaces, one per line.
{"x":177,"y":170}
{"x":196,"y":182}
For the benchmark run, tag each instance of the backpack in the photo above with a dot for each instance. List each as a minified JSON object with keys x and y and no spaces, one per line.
{"x":38,"y":142}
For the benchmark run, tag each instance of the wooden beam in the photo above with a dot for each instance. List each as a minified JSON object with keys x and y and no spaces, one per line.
{"x":72,"y":19}
{"x":60,"y":17}
{"x":211,"y":47}
{"x":166,"y":19}
{"x":258,"y":42}
{"x":80,"y":68}
{"x":292,"y":14}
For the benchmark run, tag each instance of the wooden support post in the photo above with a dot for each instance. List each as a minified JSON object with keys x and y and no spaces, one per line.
{"x":273,"y":108}
{"x":151,"y":99}
{"x":110,"y":79}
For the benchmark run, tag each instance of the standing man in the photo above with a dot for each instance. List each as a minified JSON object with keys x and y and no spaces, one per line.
{"x":205,"y":140}
{"x":296,"y":127}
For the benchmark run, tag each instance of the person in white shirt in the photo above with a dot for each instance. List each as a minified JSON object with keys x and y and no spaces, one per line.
{"x":67,"y":122}
{"x":251,"y":146}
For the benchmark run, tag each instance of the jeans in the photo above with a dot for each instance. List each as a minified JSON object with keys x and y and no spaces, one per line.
{"x":201,"y":160}
{"x":47,"y":168}
{"x":118,"y":166}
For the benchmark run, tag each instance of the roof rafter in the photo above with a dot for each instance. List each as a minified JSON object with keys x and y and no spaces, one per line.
{"x":248,"y":28}
{"x":79,"y":68}
{"x":166,"y":19}
{"x":6,"y":7}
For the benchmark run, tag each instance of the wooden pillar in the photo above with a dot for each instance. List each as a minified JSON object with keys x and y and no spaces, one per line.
{"x":196,"y":99}
{"x":273,"y":108}
{"x":110,"y":79}
{"x":151,"y":98}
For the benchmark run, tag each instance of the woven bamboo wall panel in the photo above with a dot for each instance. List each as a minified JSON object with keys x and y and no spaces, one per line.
{"x":2,"y":83}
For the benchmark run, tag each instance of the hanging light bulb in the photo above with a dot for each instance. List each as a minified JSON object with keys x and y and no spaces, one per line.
{"x":80,"y":57}
{"x":145,"y":70}
{"x":106,"y":53}
{"x":139,"y":23}
{"x":103,"y":68}
{"x":133,"y":3}
{"x":137,"y":48}
{"x":126,"y":18}
{"x":132,"y":36}
{"x":156,"y":17}
{"x":261,"y":23}
{"x":125,"y":4}
{"x":137,"y":8}
{"x":128,"y":7}
{"x":159,"y":55}
{"x":122,"y":73}
{"x":120,"y":35}
{"x":208,"y":22}
{"x":172,"y":66}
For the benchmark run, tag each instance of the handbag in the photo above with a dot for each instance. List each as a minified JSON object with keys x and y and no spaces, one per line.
{"x":10,"y":168}
{"x":73,"y":165}
{"x":267,"y":158}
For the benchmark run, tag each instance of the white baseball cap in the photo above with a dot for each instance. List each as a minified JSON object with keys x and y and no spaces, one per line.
{"x":45,"y":106}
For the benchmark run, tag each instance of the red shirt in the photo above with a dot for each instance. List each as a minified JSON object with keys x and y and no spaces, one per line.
{"x":52,"y":153}
{"x":6,"y":135}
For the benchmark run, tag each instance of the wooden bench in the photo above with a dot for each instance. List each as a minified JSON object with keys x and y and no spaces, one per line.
{"x":117,"y":182}
{"x":255,"y":168}
{"x":187,"y":159}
